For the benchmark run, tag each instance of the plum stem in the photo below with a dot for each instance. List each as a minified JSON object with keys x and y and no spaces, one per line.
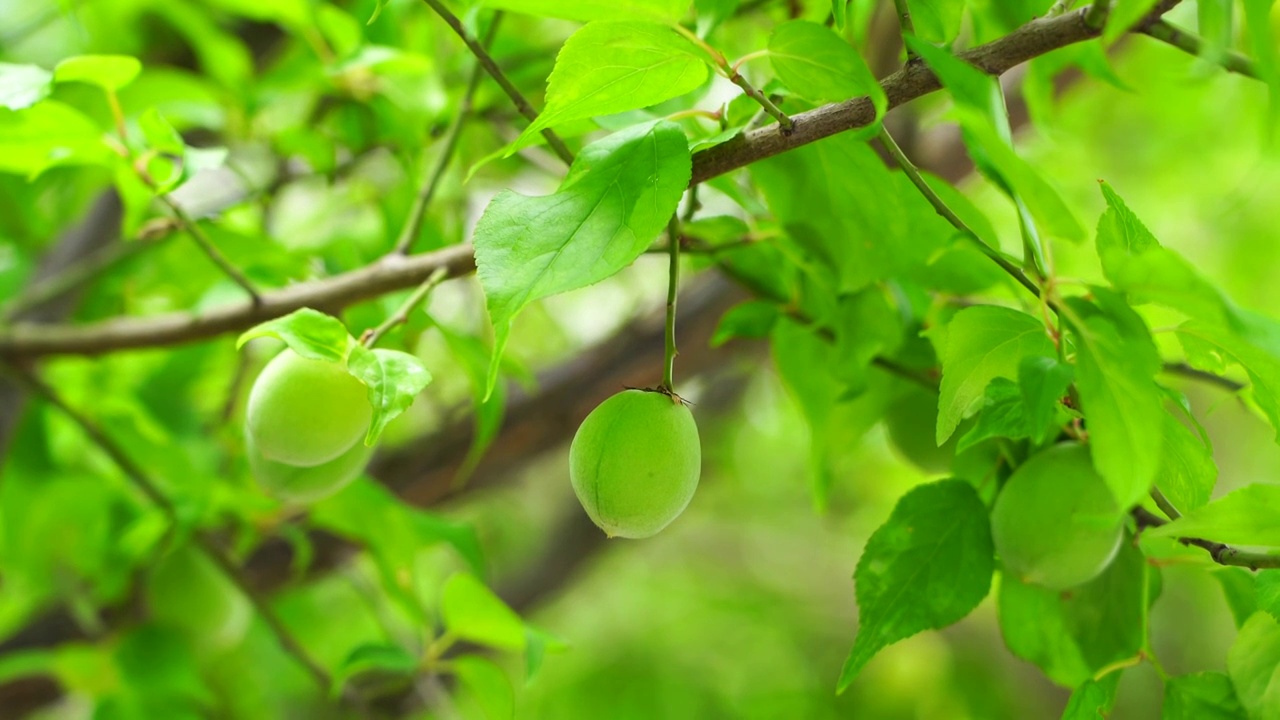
{"x":673,"y":280}
{"x":401,"y":316}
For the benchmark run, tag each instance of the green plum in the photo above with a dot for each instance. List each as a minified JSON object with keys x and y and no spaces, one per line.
{"x":910,"y":422}
{"x":635,"y":463}
{"x":1055,"y":522}
{"x":187,"y":591}
{"x":306,"y":412}
{"x":302,"y":485}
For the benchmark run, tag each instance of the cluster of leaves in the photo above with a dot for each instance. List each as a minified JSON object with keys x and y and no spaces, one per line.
{"x":872,"y":285}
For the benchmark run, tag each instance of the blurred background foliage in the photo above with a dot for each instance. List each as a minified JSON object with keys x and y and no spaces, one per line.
{"x":744,"y":607}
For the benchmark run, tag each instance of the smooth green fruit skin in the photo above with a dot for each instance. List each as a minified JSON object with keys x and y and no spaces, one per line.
{"x":1055,"y":523}
{"x":635,"y":463}
{"x":306,"y":412}
{"x":188,"y":592}
{"x":910,"y":422}
{"x":305,"y":485}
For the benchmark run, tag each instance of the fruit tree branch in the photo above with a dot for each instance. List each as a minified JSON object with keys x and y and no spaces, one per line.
{"x":1221,"y":553}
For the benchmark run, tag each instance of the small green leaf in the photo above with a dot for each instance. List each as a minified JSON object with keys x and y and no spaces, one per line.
{"x":310,"y":333}
{"x":983,"y":343}
{"x":1123,"y":15}
{"x":584,"y":10}
{"x":820,"y":66}
{"x":1093,"y":699}
{"x":487,"y":686}
{"x":394,"y":379}
{"x":1211,"y":347}
{"x":1240,"y":591}
{"x":1201,"y":696}
{"x":927,"y":567}
{"x":608,"y":67}
{"x":1248,"y":516}
{"x":1187,"y":471}
{"x":159,"y":133}
{"x":1116,"y":365}
{"x":374,"y":661}
{"x":1267,"y":591}
{"x":472,"y":612}
{"x":22,"y":86}
{"x":1073,"y":635}
{"x":936,"y":20}
{"x":1254,"y":666}
{"x":1043,"y":382}
{"x":49,"y":134}
{"x":109,"y":72}
{"x":619,"y":194}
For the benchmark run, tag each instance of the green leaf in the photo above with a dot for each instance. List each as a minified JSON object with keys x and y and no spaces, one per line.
{"x":1043,"y":382}
{"x":394,"y":379}
{"x":1240,"y":591}
{"x":22,"y":86}
{"x":1123,"y":15}
{"x":1116,"y":365}
{"x":1135,"y":263}
{"x":1001,"y":415}
{"x":1263,"y":49}
{"x":48,"y":134}
{"x":936,"y":20}
{"x":820,"y":66}
{"x":983,"y":343}
{"x":1210,"y":348}
{"x":750,"y":319}
{"x":1187,"y":471}
{"x":471,"y":611}
{"x":310,"y":333}
{"x":109,"y":72}
{"x":584,"y":10}
{"x":487,"y":685}
{"x":713,"y":12}
{"x":927,"y":567}
{"x":1093,"y":700}
{"x":1213,"y":18}
{"x":619,"y":194}
{"x":1267,"y":587}
{"x":377,"y":661}
{"x":608,"y":67}
{"x":1073,"y":635}
{"x":1201,"y":696}
{"x":1254,"y":666}
{"x":1248,"y":516}
{"x":984,"y":121}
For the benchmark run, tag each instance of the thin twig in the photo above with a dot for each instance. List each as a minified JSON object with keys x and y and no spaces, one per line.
{"x":1220,"y":553}
{"x":673,"y":283}
{"x":144,"y":483}
{"x":904,"y":21}
{"x":1185,"y":370}
{"x":401,"y":316}
{"x":949,"y":215}
{"x":197,"y":233}
{"x":1096,"y":16}
{"x":75,"y":276}
{"x":730,"y":71}
{"x":419,"y":210}
{"x":1189,"y":43}
{"x":1164,"y":504}
{"x":487,"y":62}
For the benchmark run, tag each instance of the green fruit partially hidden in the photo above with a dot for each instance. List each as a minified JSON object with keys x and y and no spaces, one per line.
{"x":635,"y":463}
{"x":1055,"y":522}
{"x":910,"y":422}
{"x":306,"y":412}
{"x":304,"y":485}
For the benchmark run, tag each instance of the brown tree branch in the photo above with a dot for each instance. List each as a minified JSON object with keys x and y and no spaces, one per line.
{"x":915,"y":80}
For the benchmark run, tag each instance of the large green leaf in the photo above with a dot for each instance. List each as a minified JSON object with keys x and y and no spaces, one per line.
{"x":1136,"y":264}
{"x":983,"y":343}
{"x":608,"y":67}
{"x":619,"y":194}
{"x":1210,"y":347}
{"x":936,"y":20}
{"x":1254,"y":666}
{"x":1187,"y":471}
{"x":1073,"y":635}
{"x":471,"y":611}
{"x":820,"y":66}
{"x":1201,"y":696}
{"x":47,"y":134}
{"x":927,"y":567}
{"x":1248,"y":516}
{"x":1116,"y":365}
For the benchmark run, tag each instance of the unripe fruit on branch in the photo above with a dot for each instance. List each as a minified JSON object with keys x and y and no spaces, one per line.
{"x":635,"y":463}
{"x":1055,"y":522}
{"x":910,"y":422}
{"x":306,"y":412}
{"x":307,"y":484}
